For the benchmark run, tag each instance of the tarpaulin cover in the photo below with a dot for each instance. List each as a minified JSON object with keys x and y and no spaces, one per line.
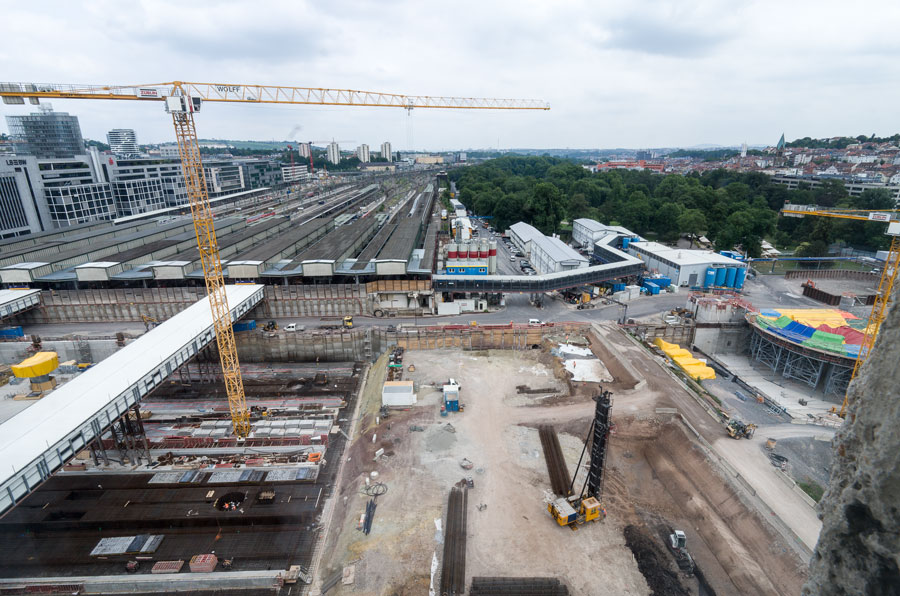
{"x":693,"y":367}
{"x":42,"y":363}
{"x":851,"y":335}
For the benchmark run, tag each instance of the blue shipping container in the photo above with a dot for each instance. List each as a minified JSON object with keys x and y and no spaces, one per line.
{"x":662,"y":281}
{"x":739,"y":278}
{"x":244,"y":326}
{"x":652,"y":288}
{"x":12,"y":332}
{"x":618,"y":287}
{"x":710,"y":277}
{"x":730,"y":274}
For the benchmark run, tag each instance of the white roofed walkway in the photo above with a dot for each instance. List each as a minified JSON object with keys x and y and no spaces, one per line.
{"x":39,"y":440}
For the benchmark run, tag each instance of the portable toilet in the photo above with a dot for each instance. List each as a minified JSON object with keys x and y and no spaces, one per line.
{"x":451,"y":397}
{"x":741,"y":274}
{"x":710,"y":279}
{"x":730,"y":275}
{"x":720,"y":276}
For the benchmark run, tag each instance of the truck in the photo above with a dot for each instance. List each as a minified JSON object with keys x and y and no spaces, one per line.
{"x":443,"y":214}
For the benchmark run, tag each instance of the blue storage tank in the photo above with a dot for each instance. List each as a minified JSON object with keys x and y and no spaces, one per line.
{"x":730,"y":274}
{"x":720,"y":276}
{"x":739,"y":277}
{"x":625,"y":242}
{"x":710,"y":278}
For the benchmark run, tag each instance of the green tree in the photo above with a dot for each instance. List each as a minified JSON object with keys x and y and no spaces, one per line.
{"x":545,"y":207}
{"x":692,"y":222}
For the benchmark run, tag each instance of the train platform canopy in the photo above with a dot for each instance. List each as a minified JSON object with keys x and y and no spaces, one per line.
{"x":40,"y":439}
{"x":14,"y":301}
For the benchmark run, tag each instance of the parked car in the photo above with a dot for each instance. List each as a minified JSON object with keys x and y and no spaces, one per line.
{"x":512,"y":258}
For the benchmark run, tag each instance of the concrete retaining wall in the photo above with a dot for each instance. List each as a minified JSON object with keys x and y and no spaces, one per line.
{"x":722,"y":340}
{"x":832,"y":274}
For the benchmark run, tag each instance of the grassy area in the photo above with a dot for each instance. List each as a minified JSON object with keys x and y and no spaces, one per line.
{"x":781,"y":267}
{"x":813,"y":489}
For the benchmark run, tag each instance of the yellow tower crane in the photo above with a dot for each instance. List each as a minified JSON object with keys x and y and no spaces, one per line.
{"x":182,"y":100}
{"x":888,"y":274}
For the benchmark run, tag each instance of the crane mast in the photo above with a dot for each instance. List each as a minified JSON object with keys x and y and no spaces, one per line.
{"x":182,"y":100}
{"x":885,"y":283}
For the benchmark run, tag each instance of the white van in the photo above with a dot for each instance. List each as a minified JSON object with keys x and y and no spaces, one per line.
{"x":535,"y":322}
{"x":294,"y":327}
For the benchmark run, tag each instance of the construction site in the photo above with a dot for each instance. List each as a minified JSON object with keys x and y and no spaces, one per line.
{"x":221,"y":451}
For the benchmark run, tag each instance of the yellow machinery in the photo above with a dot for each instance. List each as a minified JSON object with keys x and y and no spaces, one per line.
{"x":182,"y":100}
{"x":37,"y":368}
{"x":563,"y":511}
{"x":348,"y":322}
{"x":888,"y":274}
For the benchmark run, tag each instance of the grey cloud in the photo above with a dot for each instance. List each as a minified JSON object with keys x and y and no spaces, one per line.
{"x":678,"y":36}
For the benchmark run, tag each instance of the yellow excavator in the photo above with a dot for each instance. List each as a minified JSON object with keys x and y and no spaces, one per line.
{"x":348,"y":322}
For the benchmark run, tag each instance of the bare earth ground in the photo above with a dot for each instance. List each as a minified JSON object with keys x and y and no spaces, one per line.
{"x":655,"y":475}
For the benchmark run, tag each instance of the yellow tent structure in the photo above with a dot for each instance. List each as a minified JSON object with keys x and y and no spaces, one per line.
{"x":693,"y":367}
{"x":42,"y":363}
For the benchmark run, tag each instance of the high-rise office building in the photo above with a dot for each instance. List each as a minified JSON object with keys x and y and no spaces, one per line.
{"x":334,"y":153}
{"x":362,"y":152}
{"x":386,"y":151}
{"x":47,"y":134}
{"x":122,"y":141}
{"x":22,"y":208}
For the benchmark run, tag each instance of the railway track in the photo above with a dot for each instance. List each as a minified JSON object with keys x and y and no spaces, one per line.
{"x":453,"y":569}
{"x":556,"y":462}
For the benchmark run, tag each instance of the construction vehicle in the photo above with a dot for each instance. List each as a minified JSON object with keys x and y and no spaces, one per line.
{"x":739,"y":430}
{"x":678,"y":546}
{"x":575,"y":509}
{"x":149,"y":322}
{"x":888,"y":273}
{"x":348,"y":322}
{"x":271,"y":326}
{"x":181,"y":100}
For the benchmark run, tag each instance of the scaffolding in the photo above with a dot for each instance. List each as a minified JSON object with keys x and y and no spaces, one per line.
{"x":811,"y":367}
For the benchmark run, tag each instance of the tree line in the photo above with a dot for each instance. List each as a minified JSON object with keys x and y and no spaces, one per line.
{"x":730,"y":208}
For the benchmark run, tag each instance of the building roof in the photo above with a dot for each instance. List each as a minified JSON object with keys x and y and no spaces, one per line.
{"x":557,"y":250}
{"x":591,"y":224}
{"x":397,"y":387}
{"x":682,"y":256}
{"x":525,"y":231}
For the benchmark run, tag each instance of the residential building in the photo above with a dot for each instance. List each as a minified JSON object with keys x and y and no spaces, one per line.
{"x":305,"y":150}
{"x":122,"y":141}
{"x":22,"y":206}
{"x":386,"y":151}
{"x":295,"y":173}
{"x":362,"y":152}
{"x":333,"y":153}
{"x":47,"y":134}
{"x":223,"y":178}
{"x":429,"y":159}
{"x":461,"y":157}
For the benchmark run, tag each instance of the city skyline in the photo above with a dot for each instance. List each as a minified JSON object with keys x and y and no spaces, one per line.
{"x":643,"y":75}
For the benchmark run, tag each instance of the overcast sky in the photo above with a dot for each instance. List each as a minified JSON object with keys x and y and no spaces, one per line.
{"x":616,"y":73}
